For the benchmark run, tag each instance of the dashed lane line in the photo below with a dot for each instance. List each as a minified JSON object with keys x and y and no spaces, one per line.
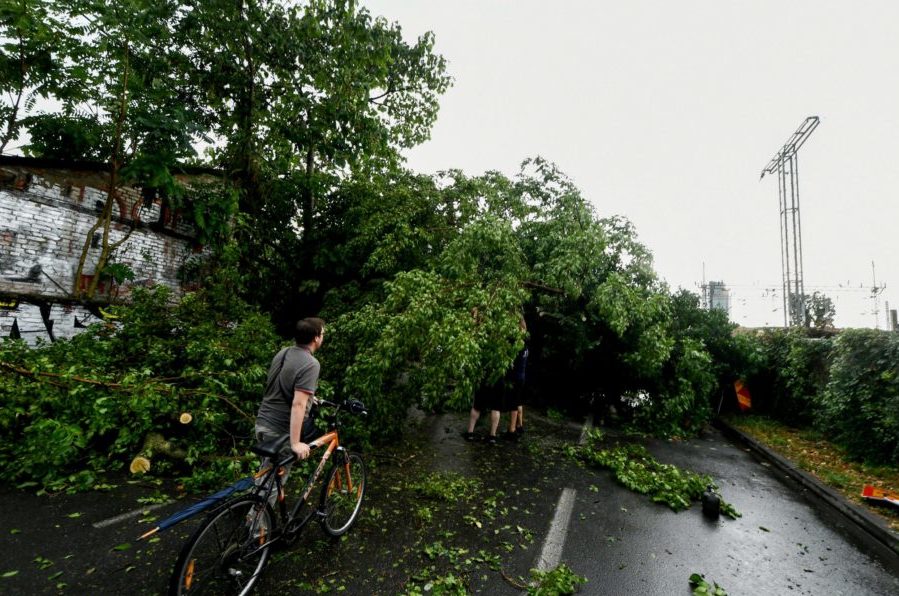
{"x":128,"y":515}
{"x":551,"y":553}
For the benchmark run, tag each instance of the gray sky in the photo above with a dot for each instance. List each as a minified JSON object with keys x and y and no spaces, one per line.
{"x":666,"y":112}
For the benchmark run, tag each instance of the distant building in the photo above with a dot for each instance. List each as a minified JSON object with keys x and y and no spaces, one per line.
{"x":719,"y":296}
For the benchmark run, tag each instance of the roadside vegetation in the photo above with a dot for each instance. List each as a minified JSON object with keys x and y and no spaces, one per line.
{"x":826,"y":461}
{"x":422,"y":279}
{"x":844,"y":385}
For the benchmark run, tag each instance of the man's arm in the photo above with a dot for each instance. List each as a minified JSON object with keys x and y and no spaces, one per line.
{"x":297,"y":413}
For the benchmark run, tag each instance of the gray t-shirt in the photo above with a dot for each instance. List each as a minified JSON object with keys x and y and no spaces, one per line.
{"x":299,"y":371}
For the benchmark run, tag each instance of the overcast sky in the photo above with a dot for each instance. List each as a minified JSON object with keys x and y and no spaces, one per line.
{"x":666,"y":112}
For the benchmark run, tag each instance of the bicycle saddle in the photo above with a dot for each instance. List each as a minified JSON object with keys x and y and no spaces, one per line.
{"x":272,"y":447}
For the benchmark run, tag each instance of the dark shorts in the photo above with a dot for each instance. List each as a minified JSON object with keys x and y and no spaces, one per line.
{"x":489,"y":398}
{"x":503,"y":396}
{"x":308,"y":433}
{"x":514,"y":397}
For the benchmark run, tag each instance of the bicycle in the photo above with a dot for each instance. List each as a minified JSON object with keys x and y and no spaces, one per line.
{"x":228,"y":552}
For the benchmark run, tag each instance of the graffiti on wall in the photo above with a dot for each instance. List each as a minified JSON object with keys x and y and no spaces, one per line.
{"x":45,"y":321}
{"x":46,"y":224}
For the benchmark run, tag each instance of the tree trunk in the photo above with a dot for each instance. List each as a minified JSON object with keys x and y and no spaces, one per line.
{"x":105,"y":218}
{"x":309,"y":199}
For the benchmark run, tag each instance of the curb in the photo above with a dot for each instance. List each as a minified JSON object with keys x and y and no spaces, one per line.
{"x":867,"y":522}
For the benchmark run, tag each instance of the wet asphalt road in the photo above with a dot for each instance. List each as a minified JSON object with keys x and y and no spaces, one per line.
{"x":622,"y":542}
{"x":785,"y":543}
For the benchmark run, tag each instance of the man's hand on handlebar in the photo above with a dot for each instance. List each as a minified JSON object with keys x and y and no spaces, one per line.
{"x":300,"y":449}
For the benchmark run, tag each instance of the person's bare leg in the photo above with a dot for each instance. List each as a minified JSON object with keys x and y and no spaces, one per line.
{"x":520,"y":416}
{"x":513,"y":420}
{"x":473,"y":419}
{"x":494,"y":422}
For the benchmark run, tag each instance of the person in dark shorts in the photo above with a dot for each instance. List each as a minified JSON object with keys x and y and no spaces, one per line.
{"x":515,"y":383}
{"x":486,"y":399}
{"x":503,"y":396}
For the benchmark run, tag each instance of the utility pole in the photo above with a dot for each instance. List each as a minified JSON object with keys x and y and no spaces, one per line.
{"x":875,"y":296}
{"x":785,"y":164}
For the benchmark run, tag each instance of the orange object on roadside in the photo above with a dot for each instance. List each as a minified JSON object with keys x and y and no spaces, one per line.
{"x":870,"y":493}
{"x":744,"y":400}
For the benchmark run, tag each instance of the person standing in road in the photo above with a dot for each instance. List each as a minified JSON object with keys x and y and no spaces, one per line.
{"x":515,"y":383}
{"x":505,"y":395}
{"x":486,"y":398}
{"x":291,"y":383}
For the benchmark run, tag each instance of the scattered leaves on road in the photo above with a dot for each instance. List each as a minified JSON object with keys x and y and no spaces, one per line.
{"x":702,"y":587}
{"x":635,"y":468}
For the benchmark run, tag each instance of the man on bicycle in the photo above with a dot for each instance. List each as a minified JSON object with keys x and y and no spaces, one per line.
{"x":291,"y":383}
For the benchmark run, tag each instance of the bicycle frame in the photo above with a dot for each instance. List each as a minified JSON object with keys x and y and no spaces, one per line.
{"x":332,"y":440}
{"x":249,"y":526}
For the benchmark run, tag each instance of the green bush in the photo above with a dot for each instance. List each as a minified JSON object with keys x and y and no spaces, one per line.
{"x":795,"y":372}
{"x":75,"y":408}
{"x":682,"y":405}
{"x":706,"y":359}
{"x":860,"y":406}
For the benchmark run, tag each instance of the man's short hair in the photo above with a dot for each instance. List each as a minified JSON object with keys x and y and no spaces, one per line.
{"x":307,"y":330}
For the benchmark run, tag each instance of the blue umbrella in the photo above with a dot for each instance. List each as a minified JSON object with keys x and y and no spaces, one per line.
{"x":200,"y":506}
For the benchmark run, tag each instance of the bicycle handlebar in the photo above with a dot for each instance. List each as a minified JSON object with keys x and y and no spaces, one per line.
{"x":354,"y":406}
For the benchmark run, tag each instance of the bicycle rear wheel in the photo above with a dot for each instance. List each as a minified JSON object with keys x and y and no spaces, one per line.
{"x":227,"y":553}
{"x":342,"y":494}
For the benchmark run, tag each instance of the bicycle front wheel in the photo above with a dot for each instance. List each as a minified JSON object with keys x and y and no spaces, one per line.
{"x":227,"y":552}
{"x":342,"y":494}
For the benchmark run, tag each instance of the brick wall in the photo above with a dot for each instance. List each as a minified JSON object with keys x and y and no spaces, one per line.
{"x":45,"y":216}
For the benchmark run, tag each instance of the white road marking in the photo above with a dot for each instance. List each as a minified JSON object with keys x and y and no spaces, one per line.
{"x":551,"y":553}
{"x":128,"y":515}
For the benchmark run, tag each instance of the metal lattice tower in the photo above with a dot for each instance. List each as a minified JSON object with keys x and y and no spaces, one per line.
{"x":785,"y":164}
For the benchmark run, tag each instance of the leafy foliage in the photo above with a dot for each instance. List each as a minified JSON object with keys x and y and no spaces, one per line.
{"x":555,"y":582}
{"x":428,"y":278}
{"x":860,"y":407}
{"x":445,"y":486}
{"x":842,"y":385}
{"x":423,"y":279}
{"x":74,"y":409}
{"x":634,"y":467}
{"x":702,"y":587}
{"x":794,"y":376}
{"x":820,"y":311}
{"x":33,"y":50}
{"x":638,"y":471}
